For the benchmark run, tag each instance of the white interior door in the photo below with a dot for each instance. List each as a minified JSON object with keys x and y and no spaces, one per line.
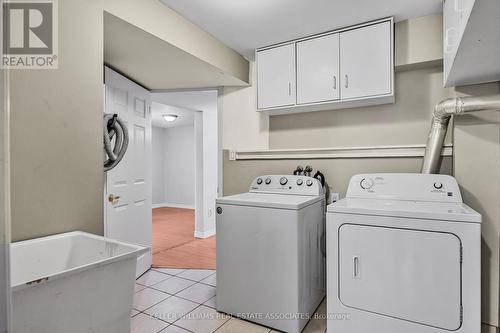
{"x":128,"y":192}
{"x":411,"y":275}
{"x":365,"y":61}
{"x":276,"y":76}
{"x":318,"y":69}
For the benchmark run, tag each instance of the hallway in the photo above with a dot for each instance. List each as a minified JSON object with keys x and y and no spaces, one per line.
{"x":174,"y":245}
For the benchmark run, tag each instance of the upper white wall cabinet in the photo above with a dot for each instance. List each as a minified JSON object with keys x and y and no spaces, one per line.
{"x":471,"y":41}
{"x":276,"y":73}
{"x":346,"y":68}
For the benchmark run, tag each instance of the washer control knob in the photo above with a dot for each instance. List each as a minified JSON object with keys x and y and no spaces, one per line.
{"x":366,"y":184}
{"x":259,"y":181}
{"x":283,"y":180}
{"x":438,"y":185}
{"x":300,"y":182}
{"x":268,"y":181}
{"x":309,"y":182}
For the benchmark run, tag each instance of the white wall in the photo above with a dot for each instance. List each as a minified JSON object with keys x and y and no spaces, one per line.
{"x":174,"y":166}
{"x":179,"y":166}
{"x":158,"y":160}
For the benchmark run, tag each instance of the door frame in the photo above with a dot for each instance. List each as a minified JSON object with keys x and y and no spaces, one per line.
{"x":201,"y":206}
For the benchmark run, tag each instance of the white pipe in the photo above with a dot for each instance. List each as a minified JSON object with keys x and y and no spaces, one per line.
{"x":441,"y":117}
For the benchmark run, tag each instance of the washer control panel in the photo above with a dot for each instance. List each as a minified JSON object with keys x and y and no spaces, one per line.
{"x":405,"y":186}
{"x":287,"y":184}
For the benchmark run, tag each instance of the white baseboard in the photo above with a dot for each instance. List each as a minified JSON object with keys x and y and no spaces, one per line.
{"x":173,"y":205}
{"x":204,"y":234}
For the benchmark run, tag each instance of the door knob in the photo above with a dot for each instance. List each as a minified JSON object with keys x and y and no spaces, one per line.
{"x":112,"y":198}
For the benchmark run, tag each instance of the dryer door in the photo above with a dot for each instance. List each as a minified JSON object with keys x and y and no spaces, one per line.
{"x":411,"y":275}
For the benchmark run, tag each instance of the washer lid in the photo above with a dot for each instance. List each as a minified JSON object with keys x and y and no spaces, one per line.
{"x":410,"y":209}
{"x":267,"y":200}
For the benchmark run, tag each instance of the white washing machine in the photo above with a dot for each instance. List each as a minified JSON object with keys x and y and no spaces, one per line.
{"x":403,"y":256}
{"x":270,"y":252}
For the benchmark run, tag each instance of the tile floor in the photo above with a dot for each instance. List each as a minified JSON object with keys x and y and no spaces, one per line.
{"x":183,"y":300}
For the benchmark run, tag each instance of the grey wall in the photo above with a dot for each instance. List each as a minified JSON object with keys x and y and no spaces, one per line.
{"x":4,"y":194}
{"x":405,"y":122}
{"x":56,"y":132}
{"x":174,"y":166}
{"x":158,"y":167}
{"x":239,"y":174}
{"x":180,"y":166}
{"x":477,"y":169}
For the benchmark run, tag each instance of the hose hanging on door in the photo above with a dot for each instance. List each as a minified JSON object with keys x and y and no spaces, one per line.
{"x":115,"y":128}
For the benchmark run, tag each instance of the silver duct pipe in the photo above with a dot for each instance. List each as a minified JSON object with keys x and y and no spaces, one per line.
{"x":442,"y":114}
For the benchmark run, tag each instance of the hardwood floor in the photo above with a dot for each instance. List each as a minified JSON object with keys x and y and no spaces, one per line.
{"x":174,"y":245}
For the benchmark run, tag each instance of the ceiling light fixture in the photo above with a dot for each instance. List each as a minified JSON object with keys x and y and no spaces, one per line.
{"x":170,"y":117}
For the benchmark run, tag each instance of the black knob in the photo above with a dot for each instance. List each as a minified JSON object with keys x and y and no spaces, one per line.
{"x":438,"y":185}
{"x":300,"y":182}
{"x":283,"y":180}
{"x":259,"y":181}
{"x":268,"y":181}
{"x":309,"y":182}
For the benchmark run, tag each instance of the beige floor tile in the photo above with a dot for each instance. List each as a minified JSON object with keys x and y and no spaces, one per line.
{"x":172,"y":309}
{"x":170,"y":271}
{"x":139,"y":287}
{"x":210,"y":302}
{"x":198,"y":293}
{"x":173,"y":285}
{"x":152,"y":277}
{"x":235,"y":325}
{"x":145,"y":324}
{"x":147,"y":298}
{"x":174,"y":329}
{"x":211,"y":280}
{"x":196,"y":274}
{"x":202,"y":320}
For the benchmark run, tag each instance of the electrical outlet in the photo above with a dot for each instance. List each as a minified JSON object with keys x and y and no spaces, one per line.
{"x":232,"y":155}
{"x":333,"y":196}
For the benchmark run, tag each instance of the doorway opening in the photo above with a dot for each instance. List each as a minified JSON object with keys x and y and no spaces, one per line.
{"x":178,"y":164}
{"x":172,"y":168}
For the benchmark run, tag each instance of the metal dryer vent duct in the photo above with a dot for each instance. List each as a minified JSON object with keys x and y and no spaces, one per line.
{"x":441,"y":117}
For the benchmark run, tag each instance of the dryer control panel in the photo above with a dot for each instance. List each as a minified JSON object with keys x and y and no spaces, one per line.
{"x":405,"y":186}
{"x":287,"y":184}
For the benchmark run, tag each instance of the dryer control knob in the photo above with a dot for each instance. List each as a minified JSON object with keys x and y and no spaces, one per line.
{"x":268,"y":181}
{"x":300,"y":182}
{"x":438,"y":185}
{"x":309,"y":182}
{"x":259,"y":181}
{"x":366,"y":183}
{"x":283,"y":180}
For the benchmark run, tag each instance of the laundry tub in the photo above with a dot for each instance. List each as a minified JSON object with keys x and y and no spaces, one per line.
{"x":74,"y":282}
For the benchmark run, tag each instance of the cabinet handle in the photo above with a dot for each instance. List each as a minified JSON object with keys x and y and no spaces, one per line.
{"x":346,"y":81}
{"x":289,"y":88}
{"x":355,"y":261}
{"x":334,"y":82}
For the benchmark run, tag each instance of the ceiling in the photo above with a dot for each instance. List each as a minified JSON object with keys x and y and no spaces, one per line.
{"x":185,"y":116}
{"x":154,"y":63}
{"x":246,"y":25}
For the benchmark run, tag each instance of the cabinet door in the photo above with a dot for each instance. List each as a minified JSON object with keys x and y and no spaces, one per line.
{"x":366,"y":61}
{"x":411,"y":275}
{"x":318,"y":69}
{"x":276,"y":76}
